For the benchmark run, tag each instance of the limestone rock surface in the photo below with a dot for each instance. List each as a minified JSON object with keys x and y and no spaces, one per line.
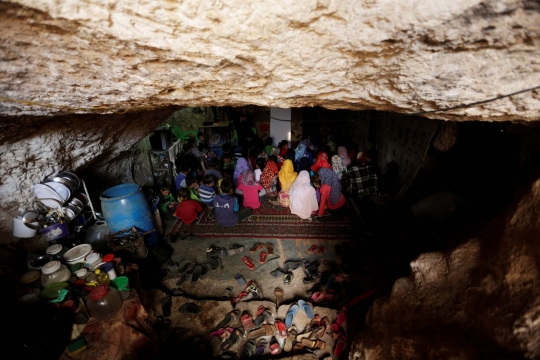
{"x":479,"y":301}
{"x":408,"y":56}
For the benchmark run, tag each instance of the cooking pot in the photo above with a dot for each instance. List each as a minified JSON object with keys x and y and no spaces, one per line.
{"x":71,"y":177}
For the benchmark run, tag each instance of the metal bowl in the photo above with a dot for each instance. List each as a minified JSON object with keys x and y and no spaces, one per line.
{"x":76,"y":202}
{"x":82,"y":197}
{"x":37,"y":263}
{"x":71,"y":177}
{"x":68,"y":183}
{"x":76,"y":210}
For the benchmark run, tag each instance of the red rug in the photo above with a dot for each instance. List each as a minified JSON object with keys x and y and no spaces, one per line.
{"x":274,"y":221}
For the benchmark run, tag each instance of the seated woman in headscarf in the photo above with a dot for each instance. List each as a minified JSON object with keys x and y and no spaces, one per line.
{"x":344,"y":156}
{"x":287,"y":176}
{"x":331,"y":196}
{"x":241,"y":166}
{"x":303,"y":200}
{"x":269,"y":178}
{"x":302,"y":152}
{"x":322,"y":162}
{"x":337,"y":167}
{"x":305,"y":165}
{"x":251,"y":190}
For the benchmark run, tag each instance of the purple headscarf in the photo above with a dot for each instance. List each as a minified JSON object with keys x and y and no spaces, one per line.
{"x":248,"y":178}
{"x":330,"y":178}
{"x":241,"y":166}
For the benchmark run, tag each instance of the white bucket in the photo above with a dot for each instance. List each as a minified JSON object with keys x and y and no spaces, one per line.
{"x":20,"y":230}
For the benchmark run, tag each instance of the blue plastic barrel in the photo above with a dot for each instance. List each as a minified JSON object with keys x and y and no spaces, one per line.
{"x":125,"y":206}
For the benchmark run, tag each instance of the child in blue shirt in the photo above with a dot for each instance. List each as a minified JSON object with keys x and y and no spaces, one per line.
{"x":207,"y":193}
{"x":227,"y":210}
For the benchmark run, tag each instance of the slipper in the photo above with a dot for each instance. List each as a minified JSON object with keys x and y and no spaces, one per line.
{"x":288,"y":278}
{"x":190,"y":308}
{"x":166,"y":306}
{"x":227,"y":293}
{"x":233,"y":339}
{"x":197,"y":270}
{"x":278,"y":272}
{"x":260,"y":310}
{"x":336,"y":331}
{"x":265,"y":330}
{"x":261,"y":347}
{"x":307,"y":308}
{"x":341,"y":317}
{"x":316,"y":295}
{"x":270,"y":248}
{"x":293,"y":310}
{"x":218,"y":333}
{"x":324,"y":326}
{"x":247,"y":261}
{"x":262,"y":257}
{"x":312,"y":249}
{"x":279,"y":297}
{"x":247,"y":322}
{"x":274,"y":347}
{"x":248,"y":350}
{"x":290,"y":340}
{"x":340,"y":346}
{"x":313,"y":343}
{"x":228,"y":319}
{"x":256,"y":247}
{"x":263,"y":318}
{"x":321,"y":250}
{"x":281,"y":328}
{"x":235,"y":249}
{"x":315,"y":322}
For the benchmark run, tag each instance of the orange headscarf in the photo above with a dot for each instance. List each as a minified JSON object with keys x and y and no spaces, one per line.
{"x":269,"y":172}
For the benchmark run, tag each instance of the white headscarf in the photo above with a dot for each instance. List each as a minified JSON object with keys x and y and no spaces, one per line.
{"x":302,"y":196}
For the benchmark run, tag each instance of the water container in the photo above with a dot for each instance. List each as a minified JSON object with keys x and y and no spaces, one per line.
{"x":125,"y":206}
{"x":95,"y":236}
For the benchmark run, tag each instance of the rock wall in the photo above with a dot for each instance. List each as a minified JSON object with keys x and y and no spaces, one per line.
{"x":32,"y":148}
{"x":404,"y":56}
{"x":479,"y":301}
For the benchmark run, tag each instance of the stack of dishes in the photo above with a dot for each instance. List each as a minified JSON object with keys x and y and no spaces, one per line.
{"x":60,"y":192}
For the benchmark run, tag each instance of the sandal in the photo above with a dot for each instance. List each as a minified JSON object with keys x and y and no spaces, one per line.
{"x":248,"y":350}
{"x":279,"y":297}
{"x":265,"y":330}
{"x":274,"y":347}
{"x":293,"y":310}
{"x":321,"y":250}
{"x":313,"y":343}
{"x":229,"y":319}
{"x":324,"y":326}
{"x":260,"y":310}
{"x":247,"y":261}
{"x":288,"y":278}
{"x":341,"y":317}
{"x":256,"y":247}
{"x":270,"y":248}
{"x":263,"y":318}
{"x":281,"y":328}
{"x":233,"y":339}
{"x":312,"y":249}
{"x":247,"y":322}
{"x":341,"y":343}
{"x":235,"y":249}
{"x":315,"y":322}
{"x":290,"y":339}
{"x":308,"y":310}
{"x":261,"y":347}
{"x":262,"y":257}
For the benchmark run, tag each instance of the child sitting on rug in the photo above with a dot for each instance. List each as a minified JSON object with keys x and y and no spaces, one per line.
{"x":188,"y":209}
{"x":227,"y":174}
{"x":207,"y":192}
{"x":193,"y":188}
{"x":251,"y":190}
{"x":226,"y":206}
{"x":167,"y":202}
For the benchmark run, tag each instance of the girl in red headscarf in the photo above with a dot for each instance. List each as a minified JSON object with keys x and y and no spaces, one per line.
{"x":269,"y":178}
{"x":322,"y":162}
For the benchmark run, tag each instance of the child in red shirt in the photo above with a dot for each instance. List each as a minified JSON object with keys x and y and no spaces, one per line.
{"x":188,"y":209}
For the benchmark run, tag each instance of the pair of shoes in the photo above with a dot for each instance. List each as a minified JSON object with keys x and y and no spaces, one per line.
{"x":314,"y":249}
{"x":260,"y":246}
{"x":235,"y":249}
{"x":215,"y":251}
{"x":293,"y":310}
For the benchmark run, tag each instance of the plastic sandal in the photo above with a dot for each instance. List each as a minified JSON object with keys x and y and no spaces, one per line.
{"x":307,"y":308}
{"x":341,"y":343}
{"x":270,"y":248}
{"x":290,"y":340}
{"x":341,"y":317}
{"x":262,"y":257}
{"x":263,"y":318}
{"x":288,"y":278}
{"x":281,"y":328}
{"x":313,"y":343}
{"x":248,"y":350}
{"x":274,"y":347}
{"x":229,"y":319}
{"x":247,"y":261}
{"x":312,"y":249}
{"x":256,"y":247}
{"x":235,"y":249}
{"x":233,"y":339}
{"x":293,"y":310}
{"x":279,"y":297}
{"x":261,"y":347}
{"x":247,"y":322}
{"x":321,"y":250}
{"x":265,"y":330}
{"x":260,"y":310}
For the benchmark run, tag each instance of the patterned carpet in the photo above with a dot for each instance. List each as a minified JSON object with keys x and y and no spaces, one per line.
{"x":274,"y":221}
